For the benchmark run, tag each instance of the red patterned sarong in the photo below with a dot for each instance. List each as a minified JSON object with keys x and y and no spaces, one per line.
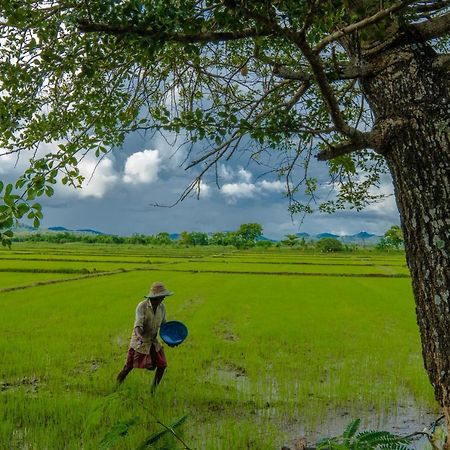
{"x":136,"y":360}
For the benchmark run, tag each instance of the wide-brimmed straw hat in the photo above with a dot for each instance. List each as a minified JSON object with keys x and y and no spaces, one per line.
{"x":158,"y":290}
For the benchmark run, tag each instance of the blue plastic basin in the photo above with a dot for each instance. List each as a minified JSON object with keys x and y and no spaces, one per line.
{"x":173,"y":333}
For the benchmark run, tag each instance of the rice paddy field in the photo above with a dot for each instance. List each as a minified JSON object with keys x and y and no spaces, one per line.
{"x":281,"y":344}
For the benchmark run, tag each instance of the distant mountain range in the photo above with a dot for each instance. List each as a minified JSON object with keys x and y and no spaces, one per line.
{"x":362,"y":238}
{"x":81,"y":230}
{"x":359,"y":238}
{"x":23,"y":228}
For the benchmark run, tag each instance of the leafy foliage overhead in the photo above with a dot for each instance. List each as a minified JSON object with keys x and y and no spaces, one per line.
{"x":276,"y":78}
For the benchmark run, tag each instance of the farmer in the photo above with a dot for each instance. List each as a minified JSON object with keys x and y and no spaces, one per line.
{"x":145,"y":351}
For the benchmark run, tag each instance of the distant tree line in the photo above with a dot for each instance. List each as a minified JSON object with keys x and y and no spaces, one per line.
{"x":248,"y":235}
{"x":67,"y":236}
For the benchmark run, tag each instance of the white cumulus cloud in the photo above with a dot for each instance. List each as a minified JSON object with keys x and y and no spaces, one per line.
{"x":244,"y":175}
{"x":272,"y":186}
{"x":243,"y":190}
{"x":205,"y":190}
{"x":238,"y":190}
{"x":15,"y":163}
{"x":386,"y":206}
{"x":142,"y":167}
{"x":225,"y":172}
{"x":99,"y":178}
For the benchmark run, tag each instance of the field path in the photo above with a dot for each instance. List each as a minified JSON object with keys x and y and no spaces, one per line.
{"x":62,"y":280}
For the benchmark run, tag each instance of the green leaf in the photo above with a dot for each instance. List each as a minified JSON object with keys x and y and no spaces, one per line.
{"x":6,"y":242}
{"x":31,"y":194}
{"x":22,"y":208}
{"x":49,"y":191}
{"x":352,"y":428}
{"x":7,"y":223}
{"x":8,"y":200}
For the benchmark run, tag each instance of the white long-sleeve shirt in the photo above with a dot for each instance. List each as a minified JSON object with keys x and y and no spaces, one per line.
{"x":149,"y":322}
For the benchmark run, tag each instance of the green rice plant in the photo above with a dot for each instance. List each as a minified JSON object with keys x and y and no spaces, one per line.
{"x":118,"y":431}
{"x":280,"y":268}
{"x":266,"y":356}
{"x":62,"y":266}
{"x":11,"y":279}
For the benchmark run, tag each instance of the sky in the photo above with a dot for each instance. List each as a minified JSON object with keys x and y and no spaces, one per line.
{"x":120,"y":194}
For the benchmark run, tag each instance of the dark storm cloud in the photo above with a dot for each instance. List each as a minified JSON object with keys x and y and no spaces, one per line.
{"x":147,"y":171}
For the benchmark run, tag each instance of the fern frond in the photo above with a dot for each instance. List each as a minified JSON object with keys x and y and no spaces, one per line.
{"x":365,"y":440}
{"x":380,"y":439}
{"x":393,"y":446}
{"x":351,"y":429}
{"x":373,"y":436}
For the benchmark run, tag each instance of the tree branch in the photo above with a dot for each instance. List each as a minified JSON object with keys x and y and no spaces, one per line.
{"x":164,"y":36}
{"x":367,"y":140}
{"x":442,"y":62}
{"x":432,"y":28}
{"x":343,"y":71}
{"x":414,"y":33}
{"x":327,"y":92}
{"x":333,"y":151}
{"x":290,"y":74}
{"x":380,"y":15}
{"x":317,"y":70}
{"x":434,"y":7}
{"x":297,"y":96}
{"x":377,"y":140}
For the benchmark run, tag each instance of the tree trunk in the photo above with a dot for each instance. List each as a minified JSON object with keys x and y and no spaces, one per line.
{"x":413,"y":91}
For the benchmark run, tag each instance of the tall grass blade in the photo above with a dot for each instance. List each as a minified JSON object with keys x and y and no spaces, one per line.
{"x":351,"y":429}
{"x":118,"y":431}
{"x":159,"y":434}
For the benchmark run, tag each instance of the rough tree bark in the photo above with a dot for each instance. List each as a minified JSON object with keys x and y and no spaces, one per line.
{"x":416,"y":93}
